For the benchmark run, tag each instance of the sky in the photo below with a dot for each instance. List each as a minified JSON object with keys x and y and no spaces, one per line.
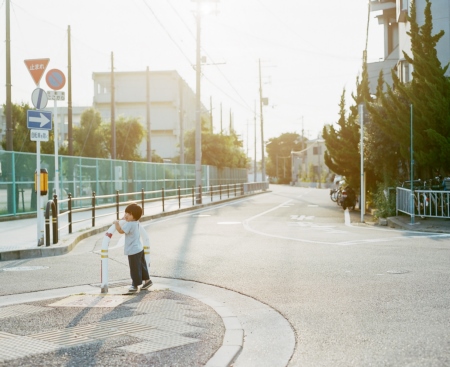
{"x":309,"y":51}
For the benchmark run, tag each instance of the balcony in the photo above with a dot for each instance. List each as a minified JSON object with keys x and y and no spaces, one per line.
{"x":402,"y":10}
{"x":380,"y":5}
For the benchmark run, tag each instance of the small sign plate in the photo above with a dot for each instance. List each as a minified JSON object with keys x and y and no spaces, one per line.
{"x":39,"y":135}
{"x":54,"y":95}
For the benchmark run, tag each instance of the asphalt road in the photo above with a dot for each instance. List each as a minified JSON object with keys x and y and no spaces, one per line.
{"x":354,"y":295}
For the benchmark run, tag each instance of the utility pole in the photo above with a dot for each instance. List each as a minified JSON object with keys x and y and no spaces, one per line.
{"x":221,"y":126}
{"x":210,"y":113}
{"x":69,"y":94}
{"x":255,"y":166}
{"x":181,"y":116}
{"x":149,"y":126}
{"x":198,"y":123}
{"x":263,"y":167}
{"x":9,"y":129}
{"x":113,"y":117}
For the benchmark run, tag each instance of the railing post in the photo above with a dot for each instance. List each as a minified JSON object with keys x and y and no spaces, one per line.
{"x":211,"y":189}
{"x":200,"y":193}
{"x":234,"y":190}
{"x":242,"y":188}
{"x":179,"y":197}
{"x":93,"y":208}
{"x":228,"y":190}
{"x":220,"y":191}
{"x":117,"y":204}
{"x":162,"y":196}
{"x":193,"y":195}
{"x":69,"y":207}
{"x":142,"y":200}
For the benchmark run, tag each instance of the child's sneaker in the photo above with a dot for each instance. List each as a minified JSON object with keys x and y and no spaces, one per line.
{"x":132,"y":289}
{"x":147,"y":284}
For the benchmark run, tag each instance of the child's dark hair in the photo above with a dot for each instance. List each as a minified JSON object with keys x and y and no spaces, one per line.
{"x":135,"y":210}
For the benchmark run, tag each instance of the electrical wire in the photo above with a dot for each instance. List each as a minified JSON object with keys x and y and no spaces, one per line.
{"x":246,"y":105}
{"x":168,"y":34}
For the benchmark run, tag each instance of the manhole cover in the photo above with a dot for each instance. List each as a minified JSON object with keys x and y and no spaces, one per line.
{"x":397,"y":271}
{"x":25,"y":268}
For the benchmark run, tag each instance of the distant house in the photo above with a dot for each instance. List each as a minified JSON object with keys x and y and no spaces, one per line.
{"x":310,"y":160}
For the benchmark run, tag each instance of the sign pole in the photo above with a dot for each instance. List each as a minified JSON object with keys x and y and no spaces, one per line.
{"x":40,"y":221}
{"x":362,"y":203}
{"x":38,"y":120}
{"x":56,"y":80}
{"x":55,"y":138}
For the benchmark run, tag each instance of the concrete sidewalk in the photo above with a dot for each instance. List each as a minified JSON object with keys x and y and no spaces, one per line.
{"x":175,"y":323}
{"x":435,"y":225}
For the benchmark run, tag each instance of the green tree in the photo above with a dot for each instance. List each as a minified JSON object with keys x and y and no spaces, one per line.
{"x":21,"y":133}
{"x":129,"y":136}
{"x":382,"y":151}
{"x":89,"y":139}
{"x":217,"y":150}
{"x":429,"y":94}
{"x":279,"y":150}
{"x":342,"y":155}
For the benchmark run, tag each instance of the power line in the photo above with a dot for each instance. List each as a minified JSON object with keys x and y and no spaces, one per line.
{"x":168,"y":34}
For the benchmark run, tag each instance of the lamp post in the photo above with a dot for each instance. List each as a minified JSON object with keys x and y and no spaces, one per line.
{"x":361,"y":147}
{"x":261,"y":101}
{"x":412,"y":169}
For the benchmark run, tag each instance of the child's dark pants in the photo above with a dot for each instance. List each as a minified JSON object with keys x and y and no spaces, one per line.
{"x":138,"y":268}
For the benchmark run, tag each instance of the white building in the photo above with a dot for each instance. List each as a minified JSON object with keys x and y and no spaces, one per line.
{"x":311,"y":158}
{"x":392,"y":15}
{"x":171,"y":108}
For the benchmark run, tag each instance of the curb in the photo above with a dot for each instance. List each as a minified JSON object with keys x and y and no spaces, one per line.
{"x":233,"y":340}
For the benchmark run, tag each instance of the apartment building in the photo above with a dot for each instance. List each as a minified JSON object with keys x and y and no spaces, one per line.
{"x":168,"y":114}
{"x":161,"y":100}
{"x":392,"y":16}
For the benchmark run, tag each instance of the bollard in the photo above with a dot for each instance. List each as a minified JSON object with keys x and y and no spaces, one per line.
{"x":51,"y":204}
{"x":104,"y":258}
{"x":146,"y":243}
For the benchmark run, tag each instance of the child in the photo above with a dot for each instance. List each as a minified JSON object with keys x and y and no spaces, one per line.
{"x":133,"y":248}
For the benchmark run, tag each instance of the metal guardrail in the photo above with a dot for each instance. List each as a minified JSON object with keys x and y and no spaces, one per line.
{"x":118,"y":200}
{"x":427,"y":203}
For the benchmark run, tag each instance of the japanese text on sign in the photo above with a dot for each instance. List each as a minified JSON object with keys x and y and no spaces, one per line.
{"x":37,"y":67}
{"x":56,"y":95}
{"x":39,"y":135}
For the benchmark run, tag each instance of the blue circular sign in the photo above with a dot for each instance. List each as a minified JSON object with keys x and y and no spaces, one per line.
{"x":39,"y":98}
{"x":55,"y":79}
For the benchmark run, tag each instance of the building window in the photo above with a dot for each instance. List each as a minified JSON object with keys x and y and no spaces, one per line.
{"x":403,"y":71}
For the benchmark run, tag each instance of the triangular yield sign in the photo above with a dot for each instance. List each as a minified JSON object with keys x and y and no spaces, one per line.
{"x":37,"y":67}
